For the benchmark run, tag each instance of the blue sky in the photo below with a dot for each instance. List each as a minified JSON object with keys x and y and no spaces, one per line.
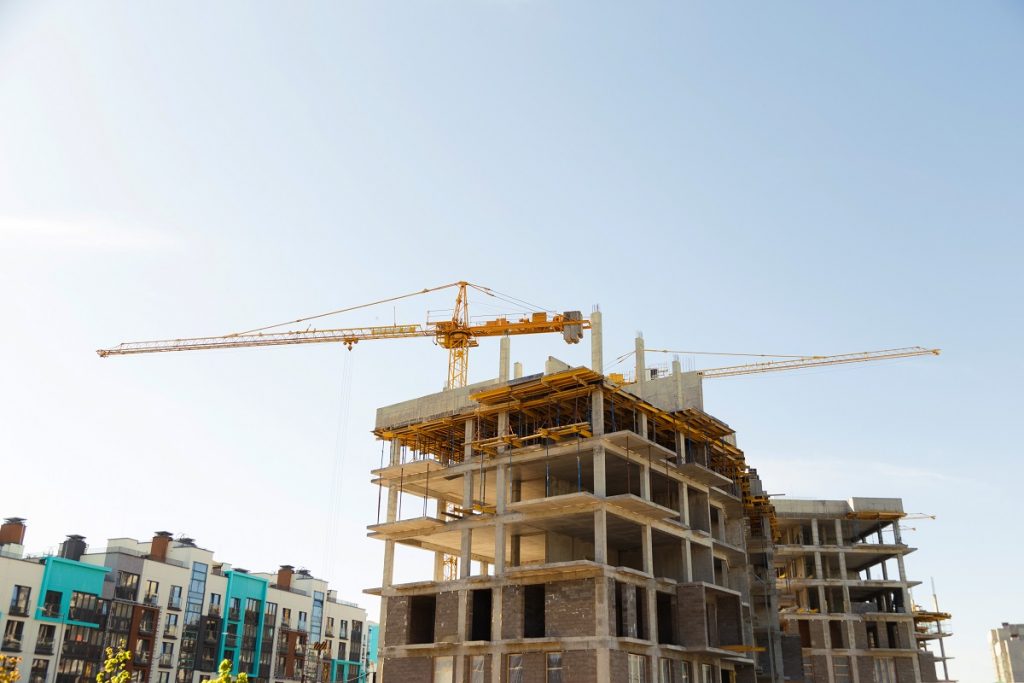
{"x":787,"y":178}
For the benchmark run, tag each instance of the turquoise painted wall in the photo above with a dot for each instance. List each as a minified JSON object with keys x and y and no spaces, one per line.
{"x":243,"y":587}
{"x":67,"y":576}
{"x":343,"y":671}
{"x":371,"y":642}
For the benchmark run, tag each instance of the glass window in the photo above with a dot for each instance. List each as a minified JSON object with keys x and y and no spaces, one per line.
{"x":39,"y":668}
{"x":684,"y":672}
{"x":665,"y":671}
{"x":342,"y":628}
{"x":515,"y":668}
{"x":637,"y":669}
{"x":341,"y":650}
{"x":303,"y":617}
{"x":707,"y":673}
{"x":12,"y":636}
{"x":476,"y":669}
{"x":174,"y":601}
{"x":444,"y":669}
{"x":554,"y":667}
{"x":51,"y":604}
{"x":163,"y":677}
{"x":20,"y":601}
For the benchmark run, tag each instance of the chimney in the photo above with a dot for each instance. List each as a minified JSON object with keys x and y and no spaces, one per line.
{"x":13,"y":531}
{"x":158,"y":548}
{"x":284,"y":577}
{"x":73,"y":548}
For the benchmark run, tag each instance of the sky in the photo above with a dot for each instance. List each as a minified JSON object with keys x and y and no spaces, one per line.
{"x":794,"y":178}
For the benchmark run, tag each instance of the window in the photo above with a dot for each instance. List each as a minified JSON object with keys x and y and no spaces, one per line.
{"x":341,"y":650}
{"x":885,"y":670}
{"x":480,"y":627}
{"x":163,"y":677}
{"x":39,"y":669}
{"x":44,"y":639}
{"x":841,"y":668}
{"x":51,"y":603}
{"x":444,"y":669}
{"x":342,"y":628}
{"x":286,"y":617}
{"x":127,"y":586}
{"x":84,"y":607}
{"x":515,"y":668}
{"x":477,"y":665}
{"x":152,"y":591}
{"x":554,"y":668}
{"x":174,"y":601}
{"x":303,"y":618}
{"x":684,"y":672}
{"x":707,"y":673}
{"x":637,"y":668}
{"x":422,"y":611}
{"x":533,"y":611}
{"x":234,"y":608}
{"x":166,"y":654}
{"x":20,"y":601}
{"x":252,"y":605}
{"x":665,"y":671}
{"x":12,"y":636}
{"x":330,"y":627}
{"x":171,"y":626}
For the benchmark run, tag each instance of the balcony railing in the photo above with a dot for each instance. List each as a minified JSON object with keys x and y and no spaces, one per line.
{"x":234,"y":614}
{"x":174,"y":603}
{"x":152,"y":599}
{"x":18,"y":610}
{"x":214,"y":611}
{"x":44,"y":647}
{"x":171,"y":631}
{"x":90,"y":616}
{"x":142,"y":658}
{"x":11,"y":645}
{"x":51,"y":610}
{"x":146,"y":627}
{"x":165,"y":661}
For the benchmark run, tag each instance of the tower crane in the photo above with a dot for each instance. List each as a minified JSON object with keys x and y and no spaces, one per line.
{"x":457,"y":334}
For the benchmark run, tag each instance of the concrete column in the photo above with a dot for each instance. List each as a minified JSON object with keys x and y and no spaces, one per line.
{"x":677,"y":375}
{"x":497,"y":658}
{"x":596,"y":342}
{"x":467,"y":449}
{"x":466,"y":556}
{"x":645,"y":480}
{"x":503,"y":362}
{"x":501,"y":495}
{"x":684,"y":499}
{"x":687,"y":561}
{"x":839,"y":533}
{"x":647,"y":549}
{"x":600,"y":536}
{"x":847,"y":604}
{"x":463,"y":609}
{"x":517,"y":370}
{"x":597,"y":412}
{"x":641,"y":367}
{"x":600,"y":480}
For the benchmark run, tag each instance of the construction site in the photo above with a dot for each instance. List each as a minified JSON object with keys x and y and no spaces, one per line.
{"x":589,"y":527}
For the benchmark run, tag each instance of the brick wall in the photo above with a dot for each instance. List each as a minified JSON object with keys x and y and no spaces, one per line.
{"x":820,"y":663}
{"x":619,"y":666}
{"x":511,"y":612}
{"x":866,"y":668}
{"x":691,"y":615}
{"x":580,"y":666}
{"x":569,"y":608}
{"x":817,"y":628}
{"x":409,"y":669}
{"x":905,"y":670}
{"x":446,"y":619}
{"x":860,"y":635}
{"x":397,"y":627}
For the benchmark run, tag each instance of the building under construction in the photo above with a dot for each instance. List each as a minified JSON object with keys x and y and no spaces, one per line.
{"x":584,"y":528}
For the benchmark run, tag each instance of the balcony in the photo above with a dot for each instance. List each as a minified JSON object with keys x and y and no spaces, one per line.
{"x":44,"y":647}
{"x":171,"y":631}
{"x":213,"y":611}
{"x":328,"y":633}
{"x":141,"y":658}
{"x":89,"y":616}
{"x":174,"y":603}
{"x":51,"y":610}
{"x":11,"y":645}
{"x":165,"y":661}
{"x":146,"y":627}
{"x":18,"y":610}
{"x":152,"y":599}
{"x":234,"y":614}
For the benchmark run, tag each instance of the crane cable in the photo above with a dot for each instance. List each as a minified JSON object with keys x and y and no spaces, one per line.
{"x":337,"y":481}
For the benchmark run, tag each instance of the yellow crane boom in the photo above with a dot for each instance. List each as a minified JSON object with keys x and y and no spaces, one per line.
{"x":817,"y":361}
{"x":457,"y":334}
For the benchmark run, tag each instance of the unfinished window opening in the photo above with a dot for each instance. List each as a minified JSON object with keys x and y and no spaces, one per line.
{"x":892,"y":632}
{"x":629,"y":602}
{"x":835,"y":633}
{"x":664,"y":491}
{"x":641,"y":613}
{"x":721,"y":577}
{"x":716,"y":523}
{"x":625,"y":543}
{"x":813,"y":600}
{"x":872,"y":630}
{"x":480,"y":627}
{"x":444,"y":669}
{"x":667,"y":556}
{"x":666,"y":621}
{"x":804,"y":627}
{"x":422,"y":610}
{"x":621,"y":475}
{"x":533,"y":611}
{"x":834,"y":598}
{"x":700,"y":514}
{"x":703,"y":563}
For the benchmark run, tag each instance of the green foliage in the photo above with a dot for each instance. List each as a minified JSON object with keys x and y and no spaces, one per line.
{"x":224,"y":676}
{"x":115,"y":669}
{"x":9,"y":669}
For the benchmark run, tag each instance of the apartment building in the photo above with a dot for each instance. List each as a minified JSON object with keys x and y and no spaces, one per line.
{"x":1007,"y":644}
{"x":177,"y":609}
{"x":843,"y":590}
